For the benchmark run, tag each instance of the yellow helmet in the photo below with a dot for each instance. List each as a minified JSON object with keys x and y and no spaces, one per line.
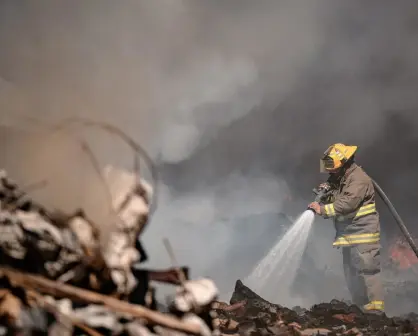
{"x":336,"y":156}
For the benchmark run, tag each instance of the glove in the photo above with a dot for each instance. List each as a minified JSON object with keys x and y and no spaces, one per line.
{"x":315,"y":207}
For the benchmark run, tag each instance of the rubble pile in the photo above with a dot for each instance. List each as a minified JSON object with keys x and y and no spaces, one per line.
{"x":57,"y":277}
{"x":249,"y":314}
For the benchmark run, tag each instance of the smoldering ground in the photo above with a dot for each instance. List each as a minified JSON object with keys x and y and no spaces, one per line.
{"x":235,"y":100}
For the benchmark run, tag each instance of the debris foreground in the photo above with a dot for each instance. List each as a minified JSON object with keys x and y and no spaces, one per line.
{"x":58,"y":278}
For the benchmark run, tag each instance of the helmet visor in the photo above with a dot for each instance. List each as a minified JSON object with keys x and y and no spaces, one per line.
{"x":326,"y":164}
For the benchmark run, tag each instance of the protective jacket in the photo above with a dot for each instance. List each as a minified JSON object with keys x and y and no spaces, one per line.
{"x":353,"y":209}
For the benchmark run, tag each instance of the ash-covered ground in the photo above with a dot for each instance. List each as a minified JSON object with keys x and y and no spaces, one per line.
{"x":249,"y":314}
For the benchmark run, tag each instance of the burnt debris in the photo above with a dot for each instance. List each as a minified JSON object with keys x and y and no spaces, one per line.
{"x":58,"y":275}
{"x":249,"y":314}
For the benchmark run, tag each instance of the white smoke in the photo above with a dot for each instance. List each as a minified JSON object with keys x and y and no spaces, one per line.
{"x":188,"y":99}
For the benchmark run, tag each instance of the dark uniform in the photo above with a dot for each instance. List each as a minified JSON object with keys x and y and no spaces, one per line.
{"x":353,"y":209}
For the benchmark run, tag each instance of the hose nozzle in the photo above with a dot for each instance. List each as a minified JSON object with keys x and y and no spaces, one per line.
{"x":321,"y":192}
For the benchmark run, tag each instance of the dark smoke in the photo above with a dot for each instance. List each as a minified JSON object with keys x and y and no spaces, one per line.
{"x":236,"y":100}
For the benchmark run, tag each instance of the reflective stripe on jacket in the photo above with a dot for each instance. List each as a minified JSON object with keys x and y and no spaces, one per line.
{"x":353,"y":209}
{"x":362,"y":211}
{"x":362,"y":238}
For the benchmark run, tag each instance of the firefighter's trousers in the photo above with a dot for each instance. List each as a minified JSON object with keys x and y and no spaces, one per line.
{"x":362,"y":273}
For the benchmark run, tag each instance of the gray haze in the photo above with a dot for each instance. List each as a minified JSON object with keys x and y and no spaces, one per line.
{"x":180,"y":75}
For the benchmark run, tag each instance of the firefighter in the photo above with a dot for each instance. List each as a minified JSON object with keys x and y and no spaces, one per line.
{"x":351,"y":205}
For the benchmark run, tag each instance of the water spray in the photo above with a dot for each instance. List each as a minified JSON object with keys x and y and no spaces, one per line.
{"x":281,"y":263}
{"x":274,"y":275}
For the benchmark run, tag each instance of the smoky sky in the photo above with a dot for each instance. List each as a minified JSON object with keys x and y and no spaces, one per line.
{"x":234,"y":100}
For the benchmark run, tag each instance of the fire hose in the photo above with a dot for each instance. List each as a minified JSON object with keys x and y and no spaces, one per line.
{"x":397,"y":217}
{"x":322,"y":192}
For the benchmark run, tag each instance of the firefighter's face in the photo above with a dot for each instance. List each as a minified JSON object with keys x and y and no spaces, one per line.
{"x":334,"y":171}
